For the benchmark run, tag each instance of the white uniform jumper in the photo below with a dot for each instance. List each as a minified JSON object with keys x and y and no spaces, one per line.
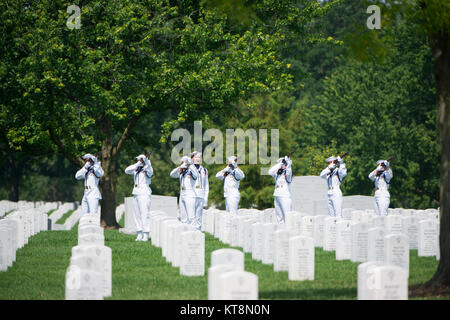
{"x":91,"y":175}
{"x":282,"y":193}
{"x":334,"y":179}
{"x":193,"y":194}
{"x":142,"y":194}
{"x":382,"y":196}
{"x":231,"y":180}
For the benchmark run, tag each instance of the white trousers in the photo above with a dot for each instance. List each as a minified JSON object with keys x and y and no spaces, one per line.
{"x":283,"y":205}
{"x":89,"y":205}
{"x":382,"y":200}
{"x":197,"y":220}
{"x":335,"y":204}
{"x":142,"y":212}
{"x":187,"y":209}
{"x":191,"y":211}
{"x":232,"y":204}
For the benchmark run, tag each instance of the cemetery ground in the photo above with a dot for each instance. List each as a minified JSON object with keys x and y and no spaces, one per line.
{"x":140,"y":272}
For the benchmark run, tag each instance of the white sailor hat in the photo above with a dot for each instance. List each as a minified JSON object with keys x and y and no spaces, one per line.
{"x":141,"y":156}
{"x":193,"y":154}
{"x":87,"y":156}
{"x":382,"y":161}
{"x":184,"y":159}
{"x":332,"y":158}
{"x":232,"y":159}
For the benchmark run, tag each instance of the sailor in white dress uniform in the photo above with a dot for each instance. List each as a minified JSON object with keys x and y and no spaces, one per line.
{"x":382,"y":177}
{"x":142,"y":172}
{"x":91,"y":173}
{"x":231,"y":176}
{"x":334,"y":173}
{"x":282,"y":173}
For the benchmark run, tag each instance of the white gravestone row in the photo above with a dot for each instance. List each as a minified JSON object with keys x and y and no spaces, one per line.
{"x":89,"y":275}
{"x":289,"y":247}
{"x":18,"y":226}
{"x":361,"y":236}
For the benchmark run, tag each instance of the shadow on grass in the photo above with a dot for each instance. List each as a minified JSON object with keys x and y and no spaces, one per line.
{"x":310,"y":294}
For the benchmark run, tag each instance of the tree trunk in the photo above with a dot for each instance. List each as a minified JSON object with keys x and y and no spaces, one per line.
{"x":16,"y":174}
{"x":108,"y":191}
{"x":440,"y":46}
{"x":108,"y":181}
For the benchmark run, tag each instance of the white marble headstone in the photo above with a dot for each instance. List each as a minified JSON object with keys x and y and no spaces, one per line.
{"x":192,"y":253}
{"x":214,"y":272}
{"x":228,"y":256}
{"x":301,"y":258}
{"x":83,"y":284}
{"x":388,"y":283}
{"x":396,"y":251}
{"x":329,"y":236}
{"x":360,"y":238}
{"x":238,"y":285}
{"x":343,"y":240}
{"x":428,"y":238}
{"x":375,"y":250}
{"x":102,"y":263}
{"x":257,"y":241}
{"x":268,"y":242}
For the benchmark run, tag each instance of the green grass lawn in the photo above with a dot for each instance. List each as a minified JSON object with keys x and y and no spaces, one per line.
{"x":140,"y":272}
{"x":64,"y":217}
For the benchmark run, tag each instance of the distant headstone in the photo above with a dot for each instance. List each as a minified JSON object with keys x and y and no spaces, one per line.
{"x":319,"y":225}
{"x":343,"y":240}
{"x":428,"y":238}
{"x":375,"y":250}
{"x":301,"y":258}
{"x":393,"y":224}
{"x":192,"y":253}
{"x":268,"y":242}
{"x":228,"y":256}
{"x":360,"y":238}
{"x":329,"y":236}
{"x":396,"y":251}
{"x":257,"y":241}
{"x":247,"y":234}
{"x":91,"y":239}
{"x":410,"y":228}
{"x":281,"y":250}
{"x":308,"y":226}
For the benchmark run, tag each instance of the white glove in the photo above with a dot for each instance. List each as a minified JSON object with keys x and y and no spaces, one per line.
{"x":94,"y":159}
{"x":227,"y":169}
{"x":184,"y":166}
{"x":87,"y":165}
{"x":340,"y":160}
{"x":386,"y":163}
{"x":332,"y":166}
{"x":380,"y":168}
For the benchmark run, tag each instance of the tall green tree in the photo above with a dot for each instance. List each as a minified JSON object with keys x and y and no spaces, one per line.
{"x":86,"y":89}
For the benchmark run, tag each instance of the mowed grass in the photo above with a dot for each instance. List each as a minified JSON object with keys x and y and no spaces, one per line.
{"x":140,"y":272}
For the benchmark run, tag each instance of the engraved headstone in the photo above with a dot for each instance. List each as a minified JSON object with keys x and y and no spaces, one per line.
{"x":192,"y":253}
{"x":301,"y":258}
